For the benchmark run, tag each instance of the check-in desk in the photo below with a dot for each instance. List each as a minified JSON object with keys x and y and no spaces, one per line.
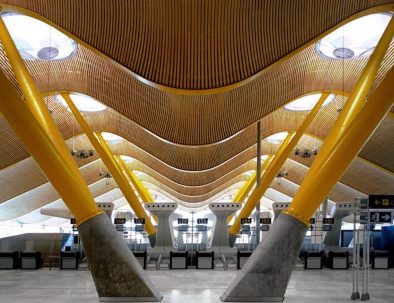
{"x":205,"y":259}
{"x":9,"y":260}
{"x":338,"y":260}
{"x":380,"y":259}
{"x":313,"y":260}
{"x":141,"y":257}
{"x":69,"y":259}
{"x":242,"y":257}
{"x":178,"y":259}
{"x":30,"y":259}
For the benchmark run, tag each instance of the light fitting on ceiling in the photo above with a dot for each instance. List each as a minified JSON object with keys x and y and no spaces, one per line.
{"x":355,"y":39}
{"x":84,"y":103}
{"x":306,"y":103}
{"x":277,"y":138}
{"x":305,"y":153}
{"x":82,"y":154}
{"x":37,"y":40}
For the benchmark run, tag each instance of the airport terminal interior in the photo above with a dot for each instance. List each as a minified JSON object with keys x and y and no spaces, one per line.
{"x":196,"y":151}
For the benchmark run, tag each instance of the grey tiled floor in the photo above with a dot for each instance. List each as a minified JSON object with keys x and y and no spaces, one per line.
{"x":189,"y":286}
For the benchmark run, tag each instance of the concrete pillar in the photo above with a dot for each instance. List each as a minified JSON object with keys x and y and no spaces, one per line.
{"x":265,"y":276}
{"x":116,"y":273}
{"x":164,"y":239}
{"x":220,"y":240}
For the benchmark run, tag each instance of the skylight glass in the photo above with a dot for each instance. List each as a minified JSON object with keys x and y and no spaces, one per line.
{"x":307,"y":102}
{"x":127,"y":159}
{"x":355,"y":39}
{"x":37,"y":40}
{"x":83,"y":103}
{"x":263,"y":158}
{"x":112,"y":138}
{"x":277,"y":138}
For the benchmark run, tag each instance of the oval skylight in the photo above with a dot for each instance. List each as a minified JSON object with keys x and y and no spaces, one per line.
{"x":307,"y":102}
{"x":277,"y":138}
{"x":112,"y":138}
{"x":83,"y":103}
{"x":355,"y":39}
{"x":37,"y":40}
{"x":263,"y":158}
{"x":127,"y":159}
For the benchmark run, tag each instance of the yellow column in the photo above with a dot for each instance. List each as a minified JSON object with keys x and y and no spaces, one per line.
{"x":32,"y":95}
{"x":279,"y":159}
{"x":102,"y":149}
{"x":144,"y":194}
{"x":64,"y":179}
{"x":316,"y":186}
{"x":244,"y":191}
{"x":304,"y":209}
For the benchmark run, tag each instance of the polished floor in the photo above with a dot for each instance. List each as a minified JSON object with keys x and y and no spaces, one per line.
{"x":177,"y":286}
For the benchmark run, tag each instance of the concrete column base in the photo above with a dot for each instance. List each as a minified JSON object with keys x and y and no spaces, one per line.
{"x":265,"y":276}
{"x":116,"y":272}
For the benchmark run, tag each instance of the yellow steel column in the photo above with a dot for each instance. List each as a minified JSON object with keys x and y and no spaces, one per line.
{"x":64,"y":179}
{"x":303,"y":209}
{"x":32,"y":95}
{"x":316,"y":186}
{"x":102,"y":149}
{"x":145,"y":195}
{"x":244,"y":191}
{"x":279,"y":159}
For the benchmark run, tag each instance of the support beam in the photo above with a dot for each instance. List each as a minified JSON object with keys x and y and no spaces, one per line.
{"x":115,"y":278}
{"x":247,"y":187}
{"x":279,"y":159}
{"x":266,"y":274}
{"x":102,"y":149}
{"x":142,"y":191}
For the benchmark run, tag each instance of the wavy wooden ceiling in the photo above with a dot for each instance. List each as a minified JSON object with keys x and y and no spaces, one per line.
{"x":200,"y":143}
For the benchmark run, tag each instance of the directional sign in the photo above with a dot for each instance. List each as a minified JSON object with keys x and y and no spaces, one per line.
{"x":327,"y":227}
{"x":120,"y":227}
{"x":246,"y":220}
{"x":380,"y":217}
{"x":328,"y":220}
{"x":119,"y":220}
{"x":381,"y":201}
{"x":265,"y":220}
{"x":202,"y":221}
{"x":73,"y":221}
{"x":183,"y":221}
{"x":312,"y":220}
{"x":139,"y":220}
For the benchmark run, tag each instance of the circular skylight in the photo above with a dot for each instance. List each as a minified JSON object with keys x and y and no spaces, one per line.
{"x":277,"y":138}
{"x":112,"y":138}
{"x":83,"y":103}
{"x":307,"y":102}
{"x":355,"y":39}
{"x":263,"y":158}
{"x":37,"y":40}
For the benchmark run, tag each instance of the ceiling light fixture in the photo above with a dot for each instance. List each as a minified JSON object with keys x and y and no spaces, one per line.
{"x":37,"y":40}
{"x":355,"y":39}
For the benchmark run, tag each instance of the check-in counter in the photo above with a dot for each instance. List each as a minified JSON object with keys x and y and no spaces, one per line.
{"x":141,"y":257}
{"x":178,"y":259}
{"x":380,"y":259}
{"x":338,"y":260}
{"x":242,"y":257}
{"x":9,"y":260}
{"x":205,"y":260}
{"x":313,"y":260}
{"x":69,"y":260}
{"x":30,"y":259}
